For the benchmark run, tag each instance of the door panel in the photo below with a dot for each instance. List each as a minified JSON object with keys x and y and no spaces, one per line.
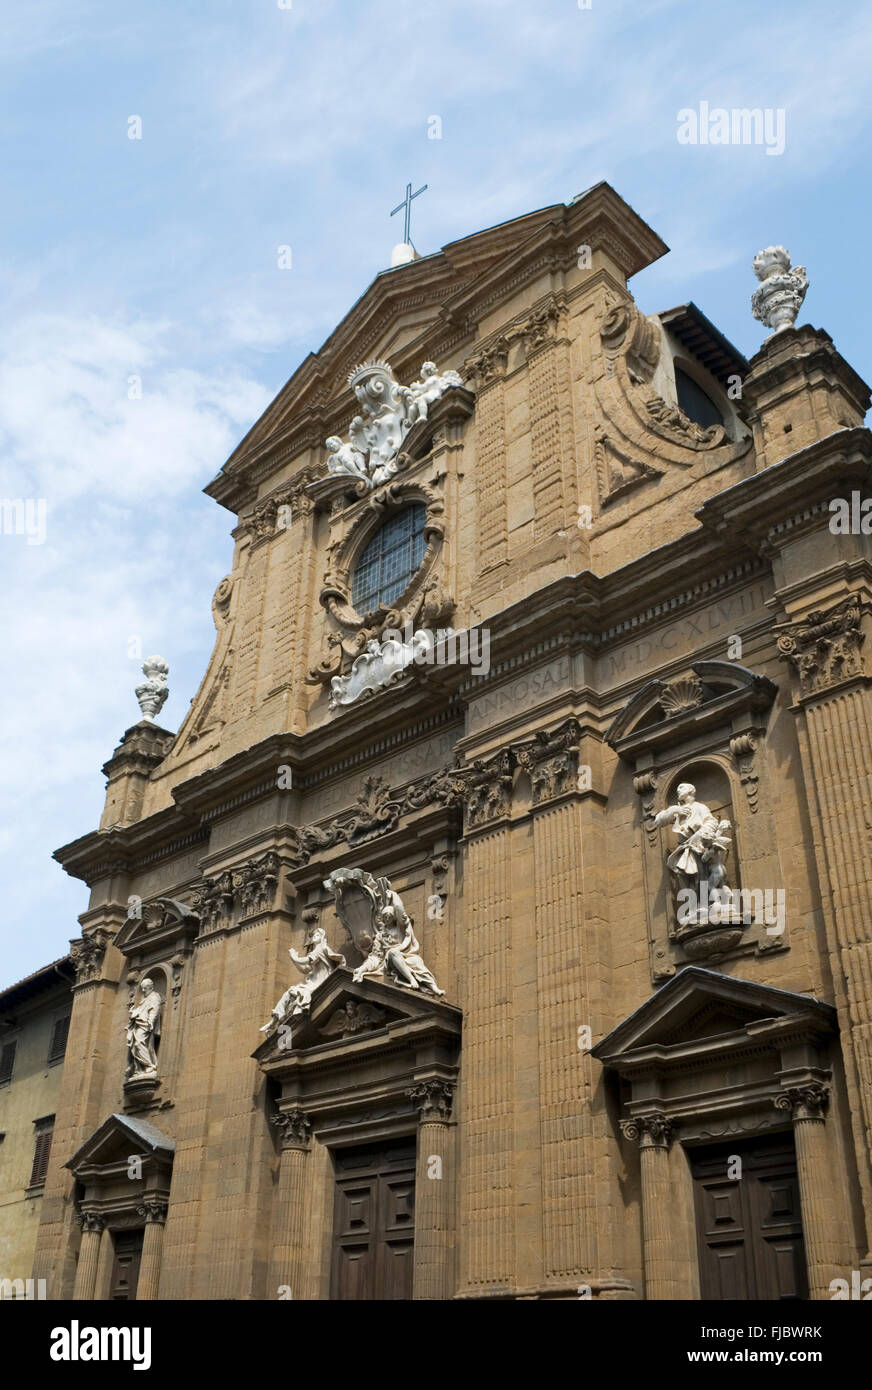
{"x":722,"y":1226}
{"x":374,"y":1222}
{"x":125,"y":1265}
{"x":749,"y":1228}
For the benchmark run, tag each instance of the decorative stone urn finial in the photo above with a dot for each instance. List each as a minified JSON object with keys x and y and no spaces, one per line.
{"x":153,"y":691}
{"x":778,"y":298}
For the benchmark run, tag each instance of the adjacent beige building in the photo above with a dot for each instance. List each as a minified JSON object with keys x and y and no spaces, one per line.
{"x":34,"y":1021}
{"x":631,"y":527}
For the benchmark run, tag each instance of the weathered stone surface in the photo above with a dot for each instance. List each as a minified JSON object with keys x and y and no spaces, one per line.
{"x":664,"y":603}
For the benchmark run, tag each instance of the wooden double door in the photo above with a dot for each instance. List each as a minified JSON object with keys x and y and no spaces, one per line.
{"x":749,"y":1227}
{"x":374,"y":1222}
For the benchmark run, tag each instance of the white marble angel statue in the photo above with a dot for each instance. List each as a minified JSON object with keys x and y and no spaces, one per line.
{"x":344,"y":458}
{"x":318,"y":962}
{"x":395,"y":952}
{"x":431,"y":385}
{"x":380,"y":927}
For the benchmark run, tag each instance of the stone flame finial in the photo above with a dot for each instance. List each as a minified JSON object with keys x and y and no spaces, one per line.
{"x":778,"y":298}
{"x":153,"y":691}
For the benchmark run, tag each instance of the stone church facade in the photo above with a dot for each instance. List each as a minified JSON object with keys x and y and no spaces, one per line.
{"x":535,"y":652}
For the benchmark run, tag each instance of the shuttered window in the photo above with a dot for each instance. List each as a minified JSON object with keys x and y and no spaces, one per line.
{"x":41,"y":1151}
{"x":7,"y":1061}
{"x":58,"y":1045}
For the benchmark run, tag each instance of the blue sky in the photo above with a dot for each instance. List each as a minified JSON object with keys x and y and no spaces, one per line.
{"x":265,"y":126}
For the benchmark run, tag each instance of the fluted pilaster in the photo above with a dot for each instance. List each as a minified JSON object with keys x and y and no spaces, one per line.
{"x":487,"y":1215}
{"x":835,"y":704}
{"x":434,"y":1190}
{"x":654,"y":1133}
{"x":289,"y":1269}
{"x":807,"y":1106}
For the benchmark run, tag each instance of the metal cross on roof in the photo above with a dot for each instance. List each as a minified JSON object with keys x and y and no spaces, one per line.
{"x":407,"y":204}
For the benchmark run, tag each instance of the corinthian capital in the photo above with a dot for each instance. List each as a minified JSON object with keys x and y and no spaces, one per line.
{"x":294,"y":1127}
{"x":824,"y":648}
{"x":154,"y":1210}
{"x":433,"y":1100}
{"x":87,"y":955}
{"x":91,"y":1221}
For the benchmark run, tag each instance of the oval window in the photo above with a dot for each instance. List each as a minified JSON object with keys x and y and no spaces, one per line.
{"x":389,"y":561}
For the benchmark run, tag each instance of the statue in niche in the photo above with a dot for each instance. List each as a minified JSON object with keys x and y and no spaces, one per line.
{"x":143,"y":1033}
{"x":379,"y":925}
{"x":698,"y":863}
{"x":318,"y":962}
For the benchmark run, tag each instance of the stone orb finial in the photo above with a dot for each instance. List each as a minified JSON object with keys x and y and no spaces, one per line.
{"x":778,"y":298}
{"x":153,"y":691}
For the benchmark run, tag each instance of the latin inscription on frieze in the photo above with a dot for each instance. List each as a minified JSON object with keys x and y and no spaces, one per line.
{"x":429,"y":755}
{"x":521,"y":694}
{"x":685,"y":637}
{"x":161,"y":879}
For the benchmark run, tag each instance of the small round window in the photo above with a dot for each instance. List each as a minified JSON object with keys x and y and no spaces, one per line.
{"x":389,"y":561}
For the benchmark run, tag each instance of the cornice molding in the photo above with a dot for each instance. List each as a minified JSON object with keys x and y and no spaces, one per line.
{"x":759,"y":509}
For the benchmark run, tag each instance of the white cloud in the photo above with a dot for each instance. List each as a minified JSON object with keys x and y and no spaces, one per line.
{"x":90,"y":406}
{"x":132,"y":548}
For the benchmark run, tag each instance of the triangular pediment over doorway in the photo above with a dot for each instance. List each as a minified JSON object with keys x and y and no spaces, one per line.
{"x":344,"y":1011}
{"x":700,"y":1011}
{"x":364,"y":1059}
{"x":116,"y":1139}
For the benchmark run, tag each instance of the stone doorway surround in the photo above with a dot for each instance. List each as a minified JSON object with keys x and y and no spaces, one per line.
{"x":123,"y":1172}
{"x":369,"y":1062}
{"x":706,"y":1058}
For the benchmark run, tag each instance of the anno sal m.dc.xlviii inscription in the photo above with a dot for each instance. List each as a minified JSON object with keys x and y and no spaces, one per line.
{"x":622,"y":660}
{"x":522,"y":693}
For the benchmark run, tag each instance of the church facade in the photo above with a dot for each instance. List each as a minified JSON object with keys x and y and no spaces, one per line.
{"x":538,"y":731}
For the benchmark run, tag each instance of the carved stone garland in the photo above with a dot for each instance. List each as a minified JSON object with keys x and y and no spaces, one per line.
{"x":251,"y":888}
{"x":481,"y":790}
